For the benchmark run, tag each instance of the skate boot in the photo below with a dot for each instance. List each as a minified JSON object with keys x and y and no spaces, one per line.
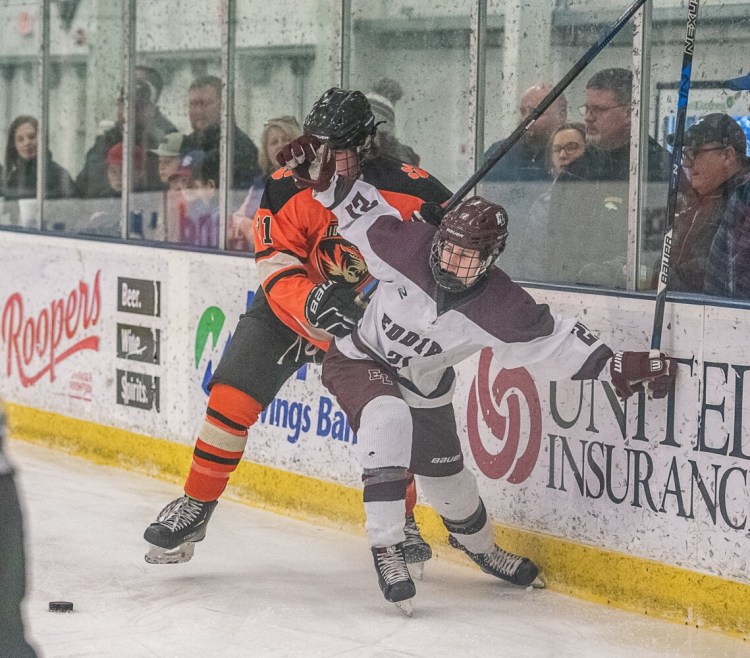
{"x":416,"y":550}
{"x":502,"y":564}
{"x":393,"y":576}
{"x":174,"y":533}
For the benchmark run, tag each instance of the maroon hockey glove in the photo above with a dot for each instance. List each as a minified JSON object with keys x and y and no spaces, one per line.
{"x":333,"y":307}
{"x":629,"y":370}
{"x":312,"y":164}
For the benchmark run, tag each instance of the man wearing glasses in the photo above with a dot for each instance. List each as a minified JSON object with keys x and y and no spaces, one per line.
{"x":715,"y":164}
{"x":589,"y":201}
{"x":717,"y":149}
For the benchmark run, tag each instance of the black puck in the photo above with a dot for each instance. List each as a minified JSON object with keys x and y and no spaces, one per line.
{"x":60,"y":606}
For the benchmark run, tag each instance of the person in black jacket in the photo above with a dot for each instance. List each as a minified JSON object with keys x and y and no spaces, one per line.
{"x":21,"y":164}
{"x":92,"y":181}
{"x":587,"y":236}
{"x":204,"y":110}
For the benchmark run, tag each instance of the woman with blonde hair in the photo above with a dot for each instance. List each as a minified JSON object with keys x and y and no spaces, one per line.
{"x":277,"y":133}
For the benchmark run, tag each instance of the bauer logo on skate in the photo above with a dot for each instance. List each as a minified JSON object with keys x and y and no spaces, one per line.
{"x":517,"y":442}
{"x":37,"y":341}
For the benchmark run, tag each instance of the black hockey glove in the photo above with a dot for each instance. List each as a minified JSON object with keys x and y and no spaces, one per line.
{"x":332,"y":306}
{"x":629,"y":370}
{"x":312,"y":164}
{"x":432,"y":213}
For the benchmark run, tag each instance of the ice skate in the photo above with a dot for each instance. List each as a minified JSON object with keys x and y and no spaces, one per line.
{"x":502,"y":564}
{"x":416,"y":550}
{"x":393,"y":577}
{"x":174,"y":533}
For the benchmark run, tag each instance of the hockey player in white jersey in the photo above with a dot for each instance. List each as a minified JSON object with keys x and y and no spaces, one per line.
{"x":439,"y":300}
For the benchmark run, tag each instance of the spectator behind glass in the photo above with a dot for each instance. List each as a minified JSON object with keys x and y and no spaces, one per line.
{"x":204,"y":110}
{"x":169,"y":164}
{"x":169,"y":156}
{"x":728,"y":267}
{"x":21,"y":164}
{"x":588,"y":228}
{"x":162,"y":125}
{"x":277,"y":133}
{"x":526,"y":160}
{"x":114,"y":170}
{"x":566,"y":145}
{"x":199,"y":221}
{"x":523,"y":174}
{"x":92,"y":181}
{"x":714,"y":160}
{"x":383,"y":98}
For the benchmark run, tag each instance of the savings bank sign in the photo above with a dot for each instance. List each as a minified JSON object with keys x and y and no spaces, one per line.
{"x":692,"y":464}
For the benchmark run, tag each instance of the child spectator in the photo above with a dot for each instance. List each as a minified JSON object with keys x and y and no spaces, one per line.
{"x":114,"y":169}
{"x":199,"y":218}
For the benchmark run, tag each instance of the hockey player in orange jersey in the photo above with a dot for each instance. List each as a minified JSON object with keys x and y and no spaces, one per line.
{"x":310,"y":278}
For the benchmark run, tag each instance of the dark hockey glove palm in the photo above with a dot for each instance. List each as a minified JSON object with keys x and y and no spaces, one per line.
{"x":629,"y":370}
{"x":333,"y":307}
{"x":432,"y":213}
{"x":312,"y":164}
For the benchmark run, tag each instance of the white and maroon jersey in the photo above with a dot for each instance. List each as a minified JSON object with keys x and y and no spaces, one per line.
{"x":420,"y":331}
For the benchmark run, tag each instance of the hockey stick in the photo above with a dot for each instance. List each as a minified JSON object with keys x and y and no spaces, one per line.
{"x":521,"y":129}
{"x":674,"y":178}
{"x":550,"y":98}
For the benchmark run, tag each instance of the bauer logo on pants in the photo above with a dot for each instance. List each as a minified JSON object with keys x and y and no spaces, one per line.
{"x":135,"y":389}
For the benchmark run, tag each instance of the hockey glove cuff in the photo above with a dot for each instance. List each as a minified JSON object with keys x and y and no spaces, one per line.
{"x":332,"y":306}
{"x":629,"y":370}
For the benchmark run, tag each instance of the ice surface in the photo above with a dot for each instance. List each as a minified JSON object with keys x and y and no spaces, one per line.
{"x":267,"y":585}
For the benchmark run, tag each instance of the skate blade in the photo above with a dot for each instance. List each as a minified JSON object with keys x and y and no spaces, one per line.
{"x":158,"y":555}
{"x":416,"y":570}
{"x":405,"y":606}
{"x":538,"y":583}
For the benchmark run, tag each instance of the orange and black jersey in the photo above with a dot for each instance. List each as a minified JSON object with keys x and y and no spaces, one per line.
{"x":297,"y":244}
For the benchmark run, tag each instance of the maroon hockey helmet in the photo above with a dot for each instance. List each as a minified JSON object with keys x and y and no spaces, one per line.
{"x":469,"y":239}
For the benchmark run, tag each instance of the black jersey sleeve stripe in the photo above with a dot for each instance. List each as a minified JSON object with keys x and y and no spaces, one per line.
{"x":265,"y":253}
{"x":292,"y":271}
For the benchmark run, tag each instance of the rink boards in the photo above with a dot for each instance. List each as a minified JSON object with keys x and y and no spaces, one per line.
{"x":107,"y":349}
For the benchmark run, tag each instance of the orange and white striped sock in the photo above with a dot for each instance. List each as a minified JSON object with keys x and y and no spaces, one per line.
{"x":221,"y":441}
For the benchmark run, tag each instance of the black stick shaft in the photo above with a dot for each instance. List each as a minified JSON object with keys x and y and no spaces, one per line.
{"x":674,"y":177}
{"x":550,"y":98}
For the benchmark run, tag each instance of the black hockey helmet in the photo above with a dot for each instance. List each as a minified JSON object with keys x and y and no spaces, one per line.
{"x":475,"y":225}
{"x":342,"y":118}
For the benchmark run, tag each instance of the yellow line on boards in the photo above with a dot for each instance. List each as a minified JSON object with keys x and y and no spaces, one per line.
{"x":587,"y":572}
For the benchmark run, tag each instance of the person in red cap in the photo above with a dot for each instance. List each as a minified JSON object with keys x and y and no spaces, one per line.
{"x":114,"y":169}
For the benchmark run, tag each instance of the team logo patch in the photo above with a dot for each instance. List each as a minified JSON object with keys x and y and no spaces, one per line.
{"x":378,"y":375}
{"x":340,"y":261}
